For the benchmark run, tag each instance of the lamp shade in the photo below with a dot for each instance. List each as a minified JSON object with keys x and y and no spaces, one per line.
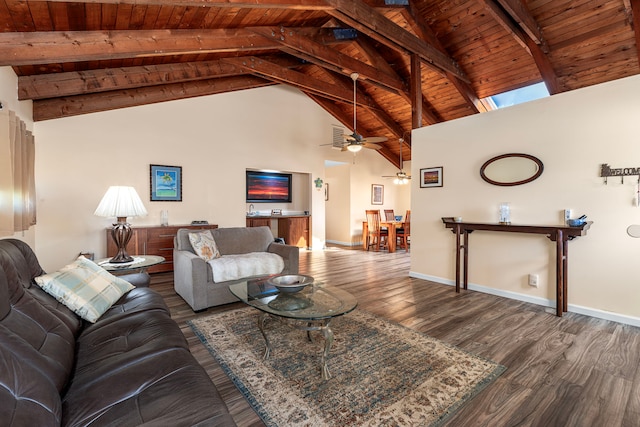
{"x":120,"y":202}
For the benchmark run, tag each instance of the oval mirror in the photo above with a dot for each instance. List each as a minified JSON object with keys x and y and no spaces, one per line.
{"x":511,"y":169}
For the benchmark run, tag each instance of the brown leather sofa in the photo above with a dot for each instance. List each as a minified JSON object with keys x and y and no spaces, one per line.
{"x":130,"y":368}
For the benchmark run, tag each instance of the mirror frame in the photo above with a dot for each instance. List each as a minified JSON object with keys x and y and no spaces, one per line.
{"x":535,"y":176}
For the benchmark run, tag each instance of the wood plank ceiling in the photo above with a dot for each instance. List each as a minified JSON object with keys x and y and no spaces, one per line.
{"x":420,"y":62}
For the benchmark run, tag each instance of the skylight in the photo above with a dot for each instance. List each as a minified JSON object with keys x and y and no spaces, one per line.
{"x":518,"y":96}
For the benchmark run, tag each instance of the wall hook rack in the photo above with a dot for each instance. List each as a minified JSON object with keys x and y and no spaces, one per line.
{"x":607,"y":171}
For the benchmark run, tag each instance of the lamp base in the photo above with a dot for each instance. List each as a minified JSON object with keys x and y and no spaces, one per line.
{"x":121,"y":234}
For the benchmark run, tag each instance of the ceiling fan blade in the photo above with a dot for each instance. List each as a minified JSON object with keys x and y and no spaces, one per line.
{"x":375,"y":139}
{"x":370,"y":145}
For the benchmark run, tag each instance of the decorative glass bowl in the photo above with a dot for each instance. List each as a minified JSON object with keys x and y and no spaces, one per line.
{"x":290,"y":283}
{"x":575,"y":222}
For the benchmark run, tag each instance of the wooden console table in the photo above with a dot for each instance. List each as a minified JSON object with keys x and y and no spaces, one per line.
{"x":561,"y":234}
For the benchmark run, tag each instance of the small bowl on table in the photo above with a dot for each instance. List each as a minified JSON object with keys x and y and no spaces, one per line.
{"x":290,"y":283}
{"x":576,"y":222}
{"x":398,"y":218}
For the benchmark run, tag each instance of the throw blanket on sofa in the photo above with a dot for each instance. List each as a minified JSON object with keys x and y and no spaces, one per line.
{"x":233,"y":267}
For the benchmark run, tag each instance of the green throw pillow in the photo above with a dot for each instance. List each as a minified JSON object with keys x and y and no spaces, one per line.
{"x":85,"y":288}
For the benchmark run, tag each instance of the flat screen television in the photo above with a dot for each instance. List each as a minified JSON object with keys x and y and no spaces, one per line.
{"x":268,"y":187}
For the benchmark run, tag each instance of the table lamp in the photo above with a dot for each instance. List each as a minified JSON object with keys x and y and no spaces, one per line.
{"x":121,"y":202}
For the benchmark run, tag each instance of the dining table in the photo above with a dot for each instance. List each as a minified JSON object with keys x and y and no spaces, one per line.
{"x":391,"y":226}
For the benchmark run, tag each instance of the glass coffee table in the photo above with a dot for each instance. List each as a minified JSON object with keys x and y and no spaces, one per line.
{"x":310,"y":309}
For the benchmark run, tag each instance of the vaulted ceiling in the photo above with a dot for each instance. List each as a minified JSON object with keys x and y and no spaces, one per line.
{"x":419,"y":62}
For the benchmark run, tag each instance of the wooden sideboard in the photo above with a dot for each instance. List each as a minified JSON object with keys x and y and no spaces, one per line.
{"x":154,"y":240}
{"x":294,"y":229}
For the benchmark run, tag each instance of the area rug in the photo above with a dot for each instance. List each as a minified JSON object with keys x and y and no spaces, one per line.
{"x":383,"y":374}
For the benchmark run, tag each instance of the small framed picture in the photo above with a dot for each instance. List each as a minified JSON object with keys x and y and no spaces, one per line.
{"x":377,"y":194}
{"x":431,"y":177}
{"x":166,"y":183}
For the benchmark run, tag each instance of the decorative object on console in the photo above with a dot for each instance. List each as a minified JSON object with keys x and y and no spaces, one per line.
{"x":121,"y":202}
{"x":166,"y":183}
{"x":505,"y":213}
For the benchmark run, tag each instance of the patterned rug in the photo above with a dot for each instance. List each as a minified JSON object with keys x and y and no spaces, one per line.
{"x":383,"y":374}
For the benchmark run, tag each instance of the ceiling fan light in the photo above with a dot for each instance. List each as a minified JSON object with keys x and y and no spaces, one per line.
{"x":354,"y":148}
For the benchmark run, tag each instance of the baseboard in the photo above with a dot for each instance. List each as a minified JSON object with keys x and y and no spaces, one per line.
{"x":335,"y":242}
{"x":587,"y":311}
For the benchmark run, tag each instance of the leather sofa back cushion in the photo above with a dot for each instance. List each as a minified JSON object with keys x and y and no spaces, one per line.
{"x":85,"y":287}
{"x":36,"y":333}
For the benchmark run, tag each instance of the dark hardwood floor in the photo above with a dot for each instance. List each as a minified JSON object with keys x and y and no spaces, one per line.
{"x":569,"y":371}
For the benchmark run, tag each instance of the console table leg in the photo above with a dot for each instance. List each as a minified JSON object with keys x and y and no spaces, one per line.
{"x":559,"y":273}
{"x":466,"y":260}
{"x":565,"y":279}
{"x":458,"y":259}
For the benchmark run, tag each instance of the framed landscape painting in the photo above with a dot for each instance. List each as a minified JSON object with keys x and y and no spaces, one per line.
{"x":431,"y":177}
{"x":166,"y":183}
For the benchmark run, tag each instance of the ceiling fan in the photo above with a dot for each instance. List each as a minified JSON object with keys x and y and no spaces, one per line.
{"x":401,"y":177}
{"x":355,"y":142}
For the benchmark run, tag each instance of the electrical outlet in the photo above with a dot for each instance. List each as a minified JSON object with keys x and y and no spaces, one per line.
{"x":533,"y":280}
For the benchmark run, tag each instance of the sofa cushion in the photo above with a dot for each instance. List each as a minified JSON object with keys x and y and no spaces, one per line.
{"x":203,"y":245}
{"x":27,"y":396}
{"x":234,"y":267}
{"x":168,"y":388}
{"x":35,"y":327}
{"x":86,"y":288}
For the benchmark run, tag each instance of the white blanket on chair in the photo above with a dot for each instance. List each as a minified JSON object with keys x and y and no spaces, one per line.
{"x":233,"y":267}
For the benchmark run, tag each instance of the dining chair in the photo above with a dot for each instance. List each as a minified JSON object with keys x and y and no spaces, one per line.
{"x":403,"y":234}
{"x":389,"y":215}
{"x":376,"y":236}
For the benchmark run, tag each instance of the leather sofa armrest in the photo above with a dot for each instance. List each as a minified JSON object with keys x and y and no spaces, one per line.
{"x":289,"y":253}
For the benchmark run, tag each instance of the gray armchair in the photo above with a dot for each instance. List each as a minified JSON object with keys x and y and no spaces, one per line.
{"x":193,"y":277}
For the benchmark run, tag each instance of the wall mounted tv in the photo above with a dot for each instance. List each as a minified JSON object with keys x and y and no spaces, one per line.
{"x":268,"y":187}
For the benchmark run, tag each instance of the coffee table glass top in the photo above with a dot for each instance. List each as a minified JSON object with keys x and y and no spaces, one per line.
{"x":139,"y":262}
{"x":314,"y":302}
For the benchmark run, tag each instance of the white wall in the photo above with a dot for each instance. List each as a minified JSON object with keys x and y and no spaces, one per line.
{"x":572,"y":133}
{"x":215,"y":139}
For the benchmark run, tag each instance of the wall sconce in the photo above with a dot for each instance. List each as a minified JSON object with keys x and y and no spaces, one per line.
{"x":318,"y":182}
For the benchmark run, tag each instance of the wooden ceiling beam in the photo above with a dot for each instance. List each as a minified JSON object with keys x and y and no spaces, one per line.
{"x":240,"y":4}
{"x":374,"y":56}
{"x":53,"y":85}
{"x":92,"y":103}
{"x":542,"y":61}
{"x":41,"y":86}
{"x":29,"y":48}
{"x":375,"y":25}
{"x":274,"y":72}
{"x":420,"y":26}
{"x":321,"y":55}
{"x":519,"y":12}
